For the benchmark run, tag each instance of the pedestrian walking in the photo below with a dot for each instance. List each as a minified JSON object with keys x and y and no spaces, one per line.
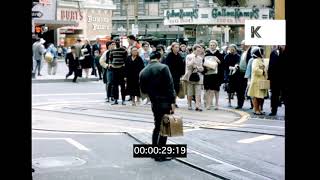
{"x":194,"y":76}
{"x":78,"y":45}
{"x":231,"y":70}
{"x":95,"y":47}
{"x":38,"y":52}
{"x":107,"y":72}
{"x":87,"y":61}
{"x":52,"y":63}
{"x":156,"y":81}
{"x":176,"y":65}
{"x":97,"y":64}
{"x":72,"y":61}
{"x":161,"y":49}
{"x":183,"y":52}
{"x":133,"y":43}
{"x":118,"y":57}
{"x":258,"y":74}
{"x":145,"y":52}
{"x":133,"y":67}
{"x":213,"y":74}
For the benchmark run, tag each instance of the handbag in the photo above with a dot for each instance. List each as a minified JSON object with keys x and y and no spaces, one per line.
{"x":210,"y":62}
{"x":171,"y":125}
{"x":194,"y":77}
{"x":48,"y":57}
{"x":264,"y":84}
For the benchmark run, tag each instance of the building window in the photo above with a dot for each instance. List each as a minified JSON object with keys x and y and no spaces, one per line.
{"x":151,"y":7}
{"x":127,"y":9}
{"x":175,"y":5}
{"x":157,"y":25}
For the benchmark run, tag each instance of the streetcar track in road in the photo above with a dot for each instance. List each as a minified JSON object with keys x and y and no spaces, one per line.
{"x":180,"y":160}
{"x":192,"y":165}
{"x":188,"y":124}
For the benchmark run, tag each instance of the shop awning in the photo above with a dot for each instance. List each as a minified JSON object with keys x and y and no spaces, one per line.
{"x":54,"y":24}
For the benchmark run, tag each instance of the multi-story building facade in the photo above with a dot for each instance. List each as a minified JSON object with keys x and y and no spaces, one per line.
{"x":173,"y":18}
{"x":93,"y":19}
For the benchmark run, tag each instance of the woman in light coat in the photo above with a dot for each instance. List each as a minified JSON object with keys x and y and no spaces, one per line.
{"x":258,"y":73}
{"x":194,"y":63}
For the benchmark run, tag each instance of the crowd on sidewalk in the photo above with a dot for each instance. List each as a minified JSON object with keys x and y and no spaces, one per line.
{"x":242,"y":72}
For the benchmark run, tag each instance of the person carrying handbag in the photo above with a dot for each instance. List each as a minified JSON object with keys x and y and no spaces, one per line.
{"x":213,"y":74}
{"x":258,"y":80}
{"x":194,"y":77}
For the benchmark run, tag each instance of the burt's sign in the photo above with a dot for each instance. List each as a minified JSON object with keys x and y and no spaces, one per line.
{"x":71,"y":15}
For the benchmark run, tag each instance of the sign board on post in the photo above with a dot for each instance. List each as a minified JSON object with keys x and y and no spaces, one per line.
{"x":215,"y":15}
{"x":135,"y":29}
{"x":45,"y":2}
{"x":37,"y":14}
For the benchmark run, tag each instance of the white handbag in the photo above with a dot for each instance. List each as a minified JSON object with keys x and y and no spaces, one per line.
{"x":210,"y":62}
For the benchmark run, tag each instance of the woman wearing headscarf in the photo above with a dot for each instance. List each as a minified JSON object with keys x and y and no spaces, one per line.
{"x":133,"y":65}
{"x":176,"y":65}
{"x":231,"y":71}
{"x":258,"y":73}
{"x":213,"y":76}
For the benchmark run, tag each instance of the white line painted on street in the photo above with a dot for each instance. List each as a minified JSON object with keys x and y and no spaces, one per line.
{"x":219,"y":161}
{"x":255,"y":139}
{"x":193,"y":129}
{"x":79,"y":133}
{"x":77,"y":144}
{"x":69,"y":140}
{"x":67,"y":94}
{"x":66,"y":102}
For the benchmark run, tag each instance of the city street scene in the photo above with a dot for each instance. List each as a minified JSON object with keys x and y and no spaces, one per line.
{"x":107,"y":73}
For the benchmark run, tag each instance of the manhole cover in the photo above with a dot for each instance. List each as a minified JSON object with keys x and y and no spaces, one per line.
{"x":51,"y":162}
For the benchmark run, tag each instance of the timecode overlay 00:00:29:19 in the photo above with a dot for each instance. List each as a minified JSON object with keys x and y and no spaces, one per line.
{"x":169,"y":150}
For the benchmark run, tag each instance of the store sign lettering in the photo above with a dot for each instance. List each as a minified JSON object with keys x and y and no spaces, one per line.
{"x":235,"y":13}
{"x":180,"y":20}
{"x":96,"y":27}
{"x":71,"y":15}
{"x":97,"y":19}
{"x":181,"y":14}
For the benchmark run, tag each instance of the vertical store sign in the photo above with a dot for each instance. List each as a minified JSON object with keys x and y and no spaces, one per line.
{"x":99,"y":23}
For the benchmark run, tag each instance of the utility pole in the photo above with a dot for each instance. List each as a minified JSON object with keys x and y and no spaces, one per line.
{"x":127,"y":11}
{"x":136,"y":9}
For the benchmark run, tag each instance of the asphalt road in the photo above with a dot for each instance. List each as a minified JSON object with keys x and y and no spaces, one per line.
{"x":227,"y":147}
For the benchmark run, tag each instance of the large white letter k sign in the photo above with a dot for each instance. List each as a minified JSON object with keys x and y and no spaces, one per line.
{"x":265,"y":32}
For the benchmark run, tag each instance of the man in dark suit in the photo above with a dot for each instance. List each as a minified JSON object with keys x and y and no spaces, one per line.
{"x":156,"y":81}
{"x":242,"y":81}
{"x":274,"y":75}
{"x":73,"y":62}
{"x":96,"y":46}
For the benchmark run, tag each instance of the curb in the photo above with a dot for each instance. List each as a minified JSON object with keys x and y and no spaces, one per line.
{"x":62,"y":80}
{"x":244,"y":116}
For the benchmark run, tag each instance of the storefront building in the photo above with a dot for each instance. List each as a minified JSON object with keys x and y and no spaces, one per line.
{"x":44,"y":21}
{"x":93,"y":20}
{"x":224,"y":24}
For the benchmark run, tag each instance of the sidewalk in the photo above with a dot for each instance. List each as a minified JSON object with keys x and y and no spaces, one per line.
{"x":246,"y":107}
{"x":60,"y":76}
